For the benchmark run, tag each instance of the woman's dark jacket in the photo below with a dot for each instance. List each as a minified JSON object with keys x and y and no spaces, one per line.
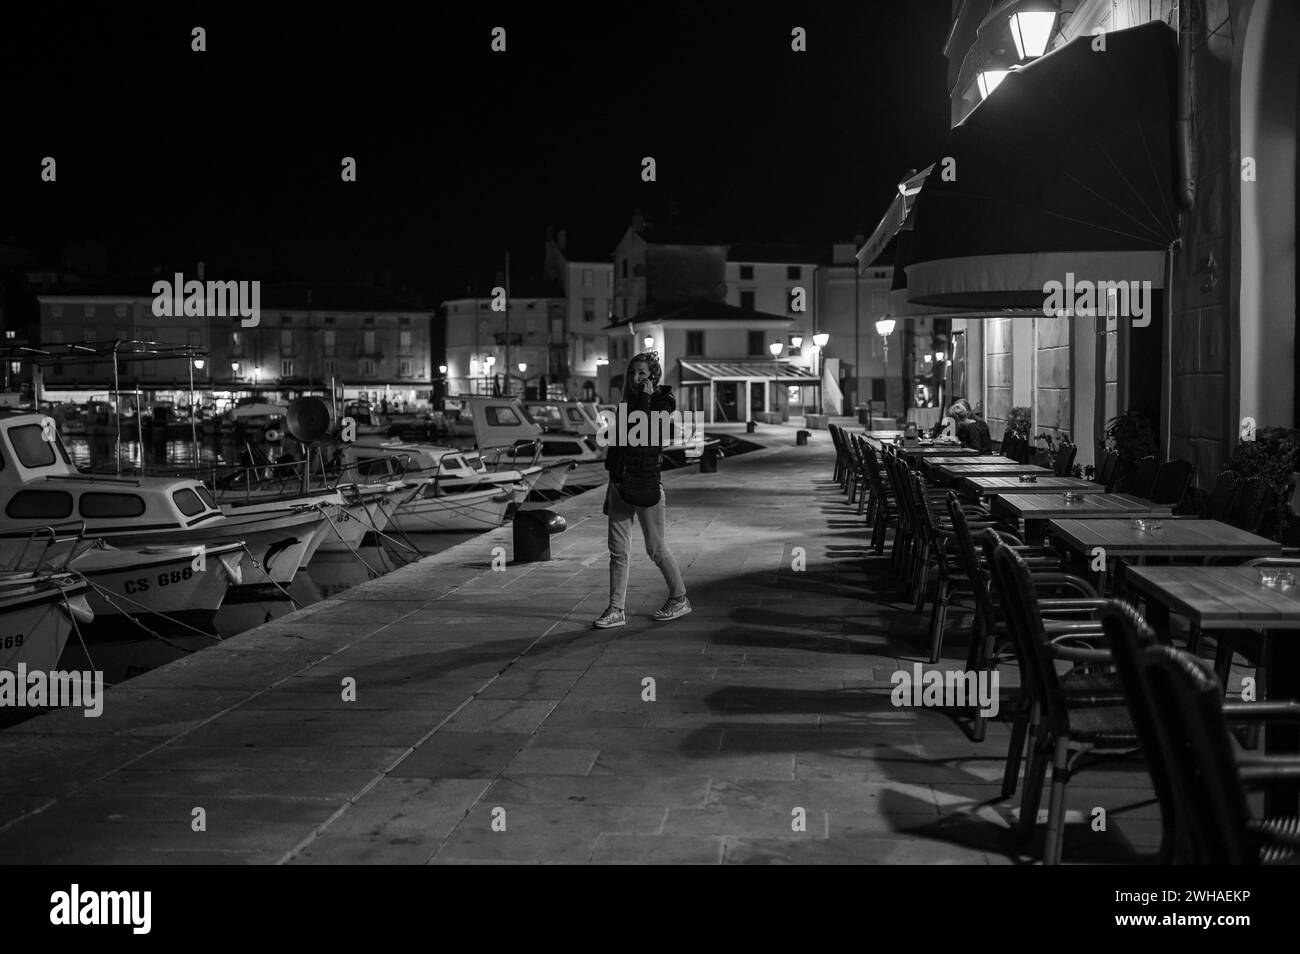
{"x":641,"y":460}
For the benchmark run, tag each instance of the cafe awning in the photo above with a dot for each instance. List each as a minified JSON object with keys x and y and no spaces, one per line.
{"x":897,"y":217}
{"x":1068,"y":167}
{"x":741,"y":370}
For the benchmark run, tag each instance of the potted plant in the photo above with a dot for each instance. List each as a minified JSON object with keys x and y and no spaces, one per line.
{"x":1018,"y":421}
{"x":1133,"y":435}
{"x":1274,"y":456}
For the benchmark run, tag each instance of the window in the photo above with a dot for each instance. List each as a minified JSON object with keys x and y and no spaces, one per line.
{"x":530,"y":326}
{"x":502,"y":417}
{"x":15,"y":367}
{"x":89,"y":334}
{"x":331,"y":367}
{"x":115,"y":505}
{"x":746,"y":273}
{"x":120,"y":311}
{"x":368,"y":346}
{"x":90,"y":311}
{"x":404,"y":369}
{"x":206,"y":498}
{"x":557,"y":448}
{"x":56,"y":311}
{"x":11,"y":335}
{"x":30,"y":445}
{"x":56,"y":336}
{"x":329,"y":320}
{"x":187,"y":502}
{"x":695,"y":342}
{"x":286,"y":341}
{"x":586,"y":350}
{"x":404,"y":341}
{"x":793,"y":272}
{"x":757,"y":344}
{"x":286,"y":319}
{"x":877,"y":389}
{"x":367,"y":368}
{"x":404,"y":322}
{"x":586,"y":277}
{"x":329,"y":341}
{"x":747,"y":300}
{"x":286,"y":368}
{"x":40,"y":504}
{"x":589,"y":309}
{"x":625,"y":268}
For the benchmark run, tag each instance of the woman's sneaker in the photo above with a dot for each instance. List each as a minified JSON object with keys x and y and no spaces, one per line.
{"x":610,"y":618}
{"x":673,"y":609}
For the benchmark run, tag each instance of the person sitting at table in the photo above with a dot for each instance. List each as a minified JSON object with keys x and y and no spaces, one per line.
{"x":971,"y":430}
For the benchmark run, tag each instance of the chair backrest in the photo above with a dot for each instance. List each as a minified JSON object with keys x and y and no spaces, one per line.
{"x":1171,"y":482}
{"x":1143,"y":477}
{"x":970,"y":562}
{"x":1186,"y":703}
{"x":1248,"y":511}
{"x":1219,"y":504}
{"x":871,"y":464}
{"x":1064,"y":463}
{"x":1129,"y":637}
{"x":1015,"y":590}
{"x":1109,"y":471}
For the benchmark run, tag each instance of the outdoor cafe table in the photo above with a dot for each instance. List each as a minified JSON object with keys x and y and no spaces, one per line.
{"x":926,"y":451}
{"x":1231,"y":597}
{"x":1120,"y":540}
{"x":955,"y":472}
{"x":987,"y":486}
{"x":1035,"y":509}
{"x":966,"y":458}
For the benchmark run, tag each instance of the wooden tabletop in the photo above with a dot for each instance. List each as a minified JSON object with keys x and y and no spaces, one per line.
{"x":1221,"y":597}
{"x":981,"y":469}
{"x":1097,"y":506}
{"x":1177,"y":538}
{"x":987,"y":486}
{"x":936,"y":450}
{"x":965,"y":458}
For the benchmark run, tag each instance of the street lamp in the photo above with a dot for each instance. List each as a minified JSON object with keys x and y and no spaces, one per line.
{"x":648,"y":341}
{"x":994,"y":72}
{"x":819,"y":342}
{"x":442,"y":369}
{"x":775,"y":348}
{"x":1031,"y":26}
{"x":885,"y":328}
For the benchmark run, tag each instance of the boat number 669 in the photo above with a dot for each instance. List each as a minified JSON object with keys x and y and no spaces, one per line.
{"x":166,"y":578}
{"x":11,"y":642}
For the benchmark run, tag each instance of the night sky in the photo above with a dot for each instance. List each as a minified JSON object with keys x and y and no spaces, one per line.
{"x":233,"y":156}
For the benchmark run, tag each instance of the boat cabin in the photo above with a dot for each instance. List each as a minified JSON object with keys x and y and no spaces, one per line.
{"x":40,"y":486}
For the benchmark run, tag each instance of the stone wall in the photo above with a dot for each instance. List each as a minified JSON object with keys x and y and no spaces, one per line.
{"x":1053,"y":406}
{"x":997,"y":374}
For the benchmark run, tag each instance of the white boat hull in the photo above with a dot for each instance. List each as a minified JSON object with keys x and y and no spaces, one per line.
{"x":275,"y":542}
{"x":158,"y":580}
{"x":36,"y":621}
{"x":472,"y":510}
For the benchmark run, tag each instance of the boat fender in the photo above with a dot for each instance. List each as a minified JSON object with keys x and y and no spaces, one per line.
{"x":79,"y":609}
{"x":272,"y":435}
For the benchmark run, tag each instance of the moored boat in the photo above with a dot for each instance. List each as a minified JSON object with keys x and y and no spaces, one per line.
{"x":37,"y":615}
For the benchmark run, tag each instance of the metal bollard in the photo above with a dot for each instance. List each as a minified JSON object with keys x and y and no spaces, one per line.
{"x":709,"y":460}
{"x":533,"y":530}
{"x":801,"y":438}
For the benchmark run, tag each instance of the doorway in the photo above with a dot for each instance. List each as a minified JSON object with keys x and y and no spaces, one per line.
{"x":728,"y":400}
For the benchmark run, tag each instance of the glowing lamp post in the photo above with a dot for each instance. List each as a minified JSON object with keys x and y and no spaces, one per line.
{"x":885,"y":328}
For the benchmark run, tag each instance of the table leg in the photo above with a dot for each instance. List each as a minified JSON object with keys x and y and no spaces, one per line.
{"x":1283,"y":682}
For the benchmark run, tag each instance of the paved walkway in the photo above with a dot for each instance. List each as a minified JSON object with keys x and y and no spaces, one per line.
{"x":492,"y":724}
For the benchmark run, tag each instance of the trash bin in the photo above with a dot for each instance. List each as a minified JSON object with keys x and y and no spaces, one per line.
{"x":533,"y":530}
{"x":709,"y":460}
{"x":801,"y":438}
{"x":749,"y":427}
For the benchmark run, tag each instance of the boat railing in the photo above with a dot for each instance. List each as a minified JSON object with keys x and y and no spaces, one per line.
{"x":51,"y":535}
{"x":494,"y":463}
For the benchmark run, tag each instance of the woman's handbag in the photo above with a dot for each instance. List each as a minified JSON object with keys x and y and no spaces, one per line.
{"x":640,"y":490}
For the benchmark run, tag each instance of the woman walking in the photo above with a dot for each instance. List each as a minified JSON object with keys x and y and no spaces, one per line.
{"x":635,"y":491}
